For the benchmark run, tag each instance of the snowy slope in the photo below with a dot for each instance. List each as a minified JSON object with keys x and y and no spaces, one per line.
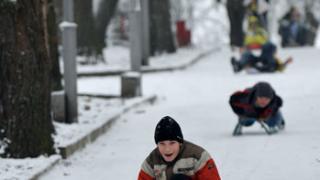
{"x":198,"y":99}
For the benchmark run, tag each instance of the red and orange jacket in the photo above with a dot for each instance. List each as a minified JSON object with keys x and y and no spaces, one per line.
{"x":192,"y":161}
{"x":242,"y":103}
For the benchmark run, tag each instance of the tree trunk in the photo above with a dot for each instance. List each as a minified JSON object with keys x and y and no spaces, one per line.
{"x":161,"y":37}
{"x":106,"y":10}
{"x":25,"y":125}
{"x":86,"y":34}
{"x":53,"y":47}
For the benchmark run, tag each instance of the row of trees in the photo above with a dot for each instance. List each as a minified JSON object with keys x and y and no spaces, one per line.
{"x":92,"y":28}
{"x":29,"y":65}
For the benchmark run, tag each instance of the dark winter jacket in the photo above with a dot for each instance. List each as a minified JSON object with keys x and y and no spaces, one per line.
{"x":267,"y":58}
{"x":192,"y":161}
{"x":236,"y":12}
{"x":242,"y":103}
{"x":235,"y":4}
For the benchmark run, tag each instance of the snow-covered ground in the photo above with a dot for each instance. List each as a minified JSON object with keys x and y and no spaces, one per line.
{"x":198,"y":99}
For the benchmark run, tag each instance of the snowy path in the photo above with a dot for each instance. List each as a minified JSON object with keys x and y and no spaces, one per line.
{"x":198,"y":99}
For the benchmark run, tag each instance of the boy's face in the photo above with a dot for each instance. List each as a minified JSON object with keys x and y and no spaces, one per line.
{"x":262,"y":101}
{"x":169,"y":149}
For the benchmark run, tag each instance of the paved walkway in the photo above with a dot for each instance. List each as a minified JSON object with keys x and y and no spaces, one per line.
{"x":198,"y":99}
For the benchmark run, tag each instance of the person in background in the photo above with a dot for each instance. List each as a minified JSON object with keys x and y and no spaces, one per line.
{"x":266,"y":62}
{"x":236,"y":12}
{"x":292,"y":29}
{"x":259,"y":9}
{"x":259,"y":103}
{"x":256,"y":36}
{"x":312,"y":25}
{"x":176,"y":158}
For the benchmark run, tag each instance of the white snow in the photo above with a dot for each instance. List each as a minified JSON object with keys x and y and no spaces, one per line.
{"x":94,"y":112}
{"x":198,"y":99}
{"x":132,"y":74}
{"x":118,"y":59}
{"x":210,"y":25}
{"x":66,"y":24}
{"x":13,"y":169}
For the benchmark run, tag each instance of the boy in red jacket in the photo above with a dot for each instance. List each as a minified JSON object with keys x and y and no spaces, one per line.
{"x":175,"y":158}
{"x":258,"y":103}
